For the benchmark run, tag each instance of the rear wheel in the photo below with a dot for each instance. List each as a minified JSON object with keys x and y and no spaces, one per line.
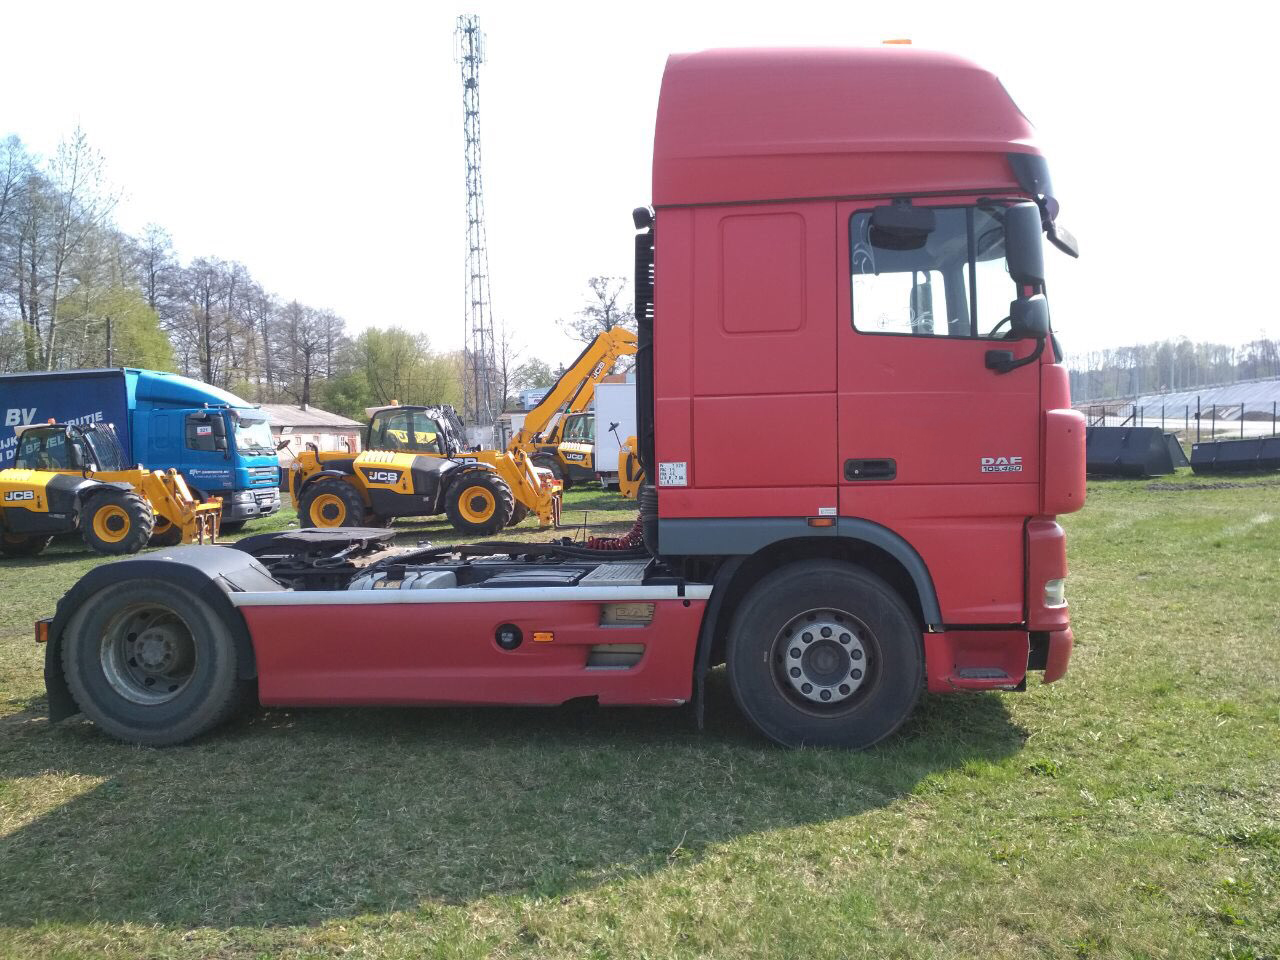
{"x":823,"y":653}
{"x":165,"y":533}
{"x":116,"y":521}
{"x":151,"y":663}
{"x":23,"y":544}
{"x":330,"y":503}
{"x":549,"y":462}
{"x":479,"y":501}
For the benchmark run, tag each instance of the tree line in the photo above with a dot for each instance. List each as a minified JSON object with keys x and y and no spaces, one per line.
{"x":1170,"y":365}
{"x":77,"y":291}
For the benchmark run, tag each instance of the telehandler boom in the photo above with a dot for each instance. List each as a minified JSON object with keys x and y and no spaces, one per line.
{"x":546,"y":436}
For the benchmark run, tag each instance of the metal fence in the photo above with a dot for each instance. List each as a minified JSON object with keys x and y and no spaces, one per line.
{"x":1189,"y":421}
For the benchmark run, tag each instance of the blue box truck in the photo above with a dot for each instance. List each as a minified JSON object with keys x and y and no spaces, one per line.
{"x":220,"y":444}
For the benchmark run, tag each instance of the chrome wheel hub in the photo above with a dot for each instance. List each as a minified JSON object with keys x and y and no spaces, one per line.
{"x":823,"y":658}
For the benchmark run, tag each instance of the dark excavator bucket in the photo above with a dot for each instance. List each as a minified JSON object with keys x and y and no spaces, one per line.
{"x":1127,"y":452}
{"x":1176,"y":453}
{"x":1236,"y":456}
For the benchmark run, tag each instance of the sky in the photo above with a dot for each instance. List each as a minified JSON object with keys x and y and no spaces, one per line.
{"x":320,"y":144}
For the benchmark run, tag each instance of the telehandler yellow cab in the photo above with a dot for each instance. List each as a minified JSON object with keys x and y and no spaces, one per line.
{"x":417,"y":464}
{"x":67,"y":478}
{"x":557,"y":434}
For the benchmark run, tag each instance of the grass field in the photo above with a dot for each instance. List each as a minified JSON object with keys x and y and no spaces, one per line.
{"x":1132,"y":810}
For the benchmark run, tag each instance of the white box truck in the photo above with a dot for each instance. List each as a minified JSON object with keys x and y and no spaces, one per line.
{"x":615,"y":403}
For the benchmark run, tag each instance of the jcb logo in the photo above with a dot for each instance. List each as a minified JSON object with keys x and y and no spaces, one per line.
{"x":383,"y":476}
{"x":14,"y":495}
{"x":1001,"y":464}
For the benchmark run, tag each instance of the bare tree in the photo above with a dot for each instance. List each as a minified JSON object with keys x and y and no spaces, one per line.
{"x":604,"y":309}
{"x":81,"y":204}
{"x":508,"y":357}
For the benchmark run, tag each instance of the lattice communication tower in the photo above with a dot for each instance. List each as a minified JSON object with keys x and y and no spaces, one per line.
{"x":480,"y":405}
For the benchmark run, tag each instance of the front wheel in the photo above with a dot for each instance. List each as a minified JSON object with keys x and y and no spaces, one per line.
{"x":151,"y":663}
{"x":478,"y":501}
{"x":824,"y":653}
{"x":116,"y":521}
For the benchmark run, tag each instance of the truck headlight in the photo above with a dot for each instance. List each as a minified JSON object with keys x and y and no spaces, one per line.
{"x":1055,"y":593}
{"x":244,"y":495}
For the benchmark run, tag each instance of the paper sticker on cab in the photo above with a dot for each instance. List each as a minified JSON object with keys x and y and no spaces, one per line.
{"x":673,"y":474}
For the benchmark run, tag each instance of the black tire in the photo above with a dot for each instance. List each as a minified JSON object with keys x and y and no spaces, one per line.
{"x":518,"y":513}
{"x":863,"y":655}
{"x":330,"y":503}
{"x":23,"y":544}
{"x":165,"y":533}
{"x":478,"y":501}
{"x":231,"y":526}
{"x":377,"y":520}
{"x":548,"y":461}
{"x":115,"y":521}
{"x":192,"y":652}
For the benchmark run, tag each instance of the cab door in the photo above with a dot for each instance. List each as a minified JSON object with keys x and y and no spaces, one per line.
{"x":931,"y":443}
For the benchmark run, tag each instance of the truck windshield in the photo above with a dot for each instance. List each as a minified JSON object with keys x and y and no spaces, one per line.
{"x":253,"y":436}
{"x":104,"y":447}
{"x":44,"y":450}
{"x":956,"y":284}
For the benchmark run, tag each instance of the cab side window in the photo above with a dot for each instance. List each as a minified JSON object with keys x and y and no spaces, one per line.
{"x":951,"y":282}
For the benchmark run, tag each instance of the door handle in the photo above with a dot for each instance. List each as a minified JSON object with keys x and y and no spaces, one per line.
{"x":876,"y":468}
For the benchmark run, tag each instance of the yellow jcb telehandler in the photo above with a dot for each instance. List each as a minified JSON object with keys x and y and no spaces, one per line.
{"x":70,"y":478}
{"x":417,"y":464}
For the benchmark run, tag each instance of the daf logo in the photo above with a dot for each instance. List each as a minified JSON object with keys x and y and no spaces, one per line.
{"x":1001,"y":464}
{"x":383,"y":476}
{"x":12,"y":495}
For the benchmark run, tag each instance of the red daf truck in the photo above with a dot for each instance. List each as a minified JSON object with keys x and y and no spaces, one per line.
{"x":844,"y":252}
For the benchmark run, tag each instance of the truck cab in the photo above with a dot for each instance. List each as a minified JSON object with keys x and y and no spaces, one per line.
{"x":221,"y":444}
{"x":863,"y":277}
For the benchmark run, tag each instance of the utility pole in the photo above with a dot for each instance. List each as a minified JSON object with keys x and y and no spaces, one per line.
{"x":480,"y":407}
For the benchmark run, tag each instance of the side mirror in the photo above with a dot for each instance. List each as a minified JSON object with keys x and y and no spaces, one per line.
{"x":1064,"y":240}
{"x":1023,"y":248}
{"x":1029,"y":317}
{"x":900,"y":226}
